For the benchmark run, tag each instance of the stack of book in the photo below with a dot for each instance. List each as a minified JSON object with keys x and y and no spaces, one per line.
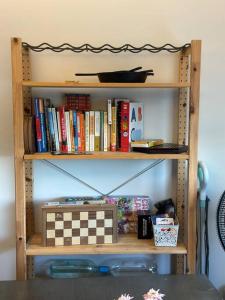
{"x":66,"y":130}
{"x":146,"y":143}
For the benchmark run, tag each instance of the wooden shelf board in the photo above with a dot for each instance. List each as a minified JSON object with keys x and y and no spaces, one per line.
{"x":106,"y":155}
{"x":127,"y":244}
{"x":74,"y":84}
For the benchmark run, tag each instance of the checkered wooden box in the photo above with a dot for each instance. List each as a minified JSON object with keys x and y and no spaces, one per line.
{"x":79,"y":225}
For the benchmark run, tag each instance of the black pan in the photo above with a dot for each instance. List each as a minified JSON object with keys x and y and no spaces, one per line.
{"x":121,"y":76}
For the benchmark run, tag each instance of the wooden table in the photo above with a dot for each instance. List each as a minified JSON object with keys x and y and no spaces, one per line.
{"x":176,"y":287}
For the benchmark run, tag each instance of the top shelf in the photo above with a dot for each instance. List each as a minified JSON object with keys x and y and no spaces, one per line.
{"x":75,"y":84}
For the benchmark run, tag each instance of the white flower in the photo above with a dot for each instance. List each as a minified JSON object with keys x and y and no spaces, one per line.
{"x":125,"y":297}
{"x":153,"y":295}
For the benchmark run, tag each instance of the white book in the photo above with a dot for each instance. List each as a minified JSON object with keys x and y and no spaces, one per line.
{"x":56,"y":131}
{"x":109,"y":111}
{"x":136,"y":121}
{"x":87,"y":131}
{"x":105,"y":133}
{"x":97,"y":131}
{"x":67,"y":117}
{"x":92,"y":130}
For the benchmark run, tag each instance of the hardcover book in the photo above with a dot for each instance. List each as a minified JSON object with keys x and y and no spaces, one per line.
{"x":97,"y":130}
{"x":136,"y":121}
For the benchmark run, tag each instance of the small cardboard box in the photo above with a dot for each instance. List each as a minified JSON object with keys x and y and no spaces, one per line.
{"x":65,"y":225}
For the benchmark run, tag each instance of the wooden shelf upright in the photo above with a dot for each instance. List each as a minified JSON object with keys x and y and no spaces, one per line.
{"x":28,"y":242}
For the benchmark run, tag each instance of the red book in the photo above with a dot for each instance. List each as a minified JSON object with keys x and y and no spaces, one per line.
{"x":63,"y":129}
{"x":124,"y":125}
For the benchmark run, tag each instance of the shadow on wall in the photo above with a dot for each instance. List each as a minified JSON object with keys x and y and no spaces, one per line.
{"x":7,"y":237}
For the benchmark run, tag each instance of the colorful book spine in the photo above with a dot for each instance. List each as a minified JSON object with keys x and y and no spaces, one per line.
{"x":118,"y":104}
{"x":97,"y":130}
{"x":82,"y":132}
{"x":71,"y":131}
{"x":75,"y":130}
{"x":101,"y":130}
{"x":47,"y":104}
{"x":38,"y":125}
{"x":63,"y":129}
{"x":87,"y":131}
{"x":113,"y":130}
{"x":51,"y":131}
{"x":124,"y":127}
{"x":59,"y":130}
{"x":79,"y":132}
{"x":43,"y":126}
{"x":67,"y":119}
{"x":55,"y":126}
{"x":92,"y":131}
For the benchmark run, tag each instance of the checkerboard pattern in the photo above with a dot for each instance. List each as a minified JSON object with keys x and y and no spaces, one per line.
{"x":79,"y":228}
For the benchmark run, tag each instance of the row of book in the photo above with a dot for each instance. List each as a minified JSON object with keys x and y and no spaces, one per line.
{"x":65,"y":130}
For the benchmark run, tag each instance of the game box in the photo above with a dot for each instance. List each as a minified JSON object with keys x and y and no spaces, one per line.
{"x":65,"y":225}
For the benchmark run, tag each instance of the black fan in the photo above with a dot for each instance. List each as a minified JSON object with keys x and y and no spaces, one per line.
{"x":221,"y":220}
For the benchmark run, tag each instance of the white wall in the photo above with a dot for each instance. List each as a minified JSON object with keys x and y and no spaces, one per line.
{"x":117,"y":22}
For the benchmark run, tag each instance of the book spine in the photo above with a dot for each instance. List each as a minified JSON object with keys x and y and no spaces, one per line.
{"x":124,"y":127}
{"x":108,"y":137}
{"x":113,"y":130}
{"x":97,"y":130}
{"x":78,"y":132}
{"x":75,"y":130}
{"x":67,"y":119}
{"x":59,"y":130}
{"x":43,"y":126}
{"x":46,"y":106}
{"x":87,"y":131}
{"x":71,"y":131}
{"x":63,"y":129}
{"x":55,"y":126}
{"x":82,"y":132}
{"x":105,"y":132}
{"x":38,"y":125}
{"x":118,"y":104}
{"x":92,"y":131}
{"x":109,"y":111}
{"x":51,"y":131}
{"x":101,"y":130}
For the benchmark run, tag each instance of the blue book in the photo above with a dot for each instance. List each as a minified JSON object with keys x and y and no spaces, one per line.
{"x":43,"y":126}
{"x":75,"y":130}
{"x":38,"y":125}
{"x":51,"y":130}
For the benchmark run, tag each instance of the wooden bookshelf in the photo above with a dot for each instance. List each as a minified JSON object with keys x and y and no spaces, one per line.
{"x":185,"y":165}
{"x":75,"y":84}
{"x":127,"y":244}
{"x":106,"y":155}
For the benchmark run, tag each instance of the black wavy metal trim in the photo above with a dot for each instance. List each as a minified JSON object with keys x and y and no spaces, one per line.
{"x":106,"y":47}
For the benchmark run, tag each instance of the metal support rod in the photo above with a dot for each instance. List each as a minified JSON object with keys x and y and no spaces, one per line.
{"x":71,"y":175}
{"x":136,"y":175}
{"x":152,"y":165}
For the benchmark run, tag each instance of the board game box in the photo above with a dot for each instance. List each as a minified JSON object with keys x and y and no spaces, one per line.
{"x":79,"y":225}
